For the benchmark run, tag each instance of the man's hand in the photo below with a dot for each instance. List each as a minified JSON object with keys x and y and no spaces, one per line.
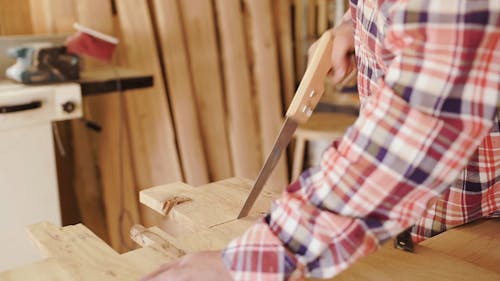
{"x":197,"y":266}
{"x":342,"y":51}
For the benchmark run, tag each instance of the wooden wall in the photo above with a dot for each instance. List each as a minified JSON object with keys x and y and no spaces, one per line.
{"x":224,"y":73}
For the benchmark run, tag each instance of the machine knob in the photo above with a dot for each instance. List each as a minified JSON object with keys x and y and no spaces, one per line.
{"x":69,"y":106}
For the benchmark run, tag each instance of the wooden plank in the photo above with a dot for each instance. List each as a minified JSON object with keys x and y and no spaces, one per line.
{"x":311,"y":19}
{"x":322,"y":18}
{"x":50,"y":269}
{"x":425,"y":264}
{"x":266,"y":75}
{"x":205,"y":206}
{"x":283,"y":23}
{"x":477,"y":243}
{"x":15,"y":17}
{"x":41,"y":16}
{"x":300,"y":38}
{"x":100,"y":198}
{"x":53,"y":16}
{"x":153,"y":149}
{"x":199,"y":24}
{"x":75,"y":253}
{"x":86,"y":183}
{"x":242,"y":119}
{"x":180,"y":91}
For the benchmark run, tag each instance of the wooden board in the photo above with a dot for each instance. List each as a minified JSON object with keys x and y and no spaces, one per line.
{"x":15,"y":17}
{"x":180,"y":91}
{"x":53,"y":16}
{"x":322,"y":17}
{"x":99,"y":197}
{"x":242,"y":116}
{"x":204,"y":218}
{"x":199,"y":26}
{"x":75,"y":253}
{"x":266,"y":80}
{"x":283,"y":24}
{"x":205,"y":206}
{"x":152,"y":140}
{"x":425,"y":264}
{"x":85,"y":180}
{"x":477,"y":243}
{"x":300,"y":37}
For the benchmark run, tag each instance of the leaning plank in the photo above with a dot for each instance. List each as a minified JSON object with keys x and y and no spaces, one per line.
{"x":180,"y":91}
{"x":242,"y":121}
{"x":477,"y":243}
{"x":322,"y":18}
{"x":283,"y":23}
{"x":266,"y":75}
{"x":215,"y":238}
{"x":199,"y":24}
{"x":15,"y":17}
{"x":300,"y":37}
{"x":112,"y":159}
{"x":85,"y":180}
{"x":53,"y":16}
{"x":154,"y":152}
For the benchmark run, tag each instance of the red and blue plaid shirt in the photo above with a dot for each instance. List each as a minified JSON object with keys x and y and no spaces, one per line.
{"x":425,"y":150}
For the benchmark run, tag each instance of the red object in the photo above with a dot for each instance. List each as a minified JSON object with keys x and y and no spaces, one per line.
{"x":91,"y":43}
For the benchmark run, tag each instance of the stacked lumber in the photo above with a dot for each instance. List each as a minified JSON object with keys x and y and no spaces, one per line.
{"x":75,"y":253}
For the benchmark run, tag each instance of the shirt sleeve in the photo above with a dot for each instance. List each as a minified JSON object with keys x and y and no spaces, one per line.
{"x":429,"y":113}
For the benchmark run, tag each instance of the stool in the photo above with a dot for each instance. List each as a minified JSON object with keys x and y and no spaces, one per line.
{"x":321,"y":126}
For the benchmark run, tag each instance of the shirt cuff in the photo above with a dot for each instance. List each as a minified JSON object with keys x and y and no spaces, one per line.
{"x":260,"y":255}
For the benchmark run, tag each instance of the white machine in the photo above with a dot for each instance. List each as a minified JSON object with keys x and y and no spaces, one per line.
{"x":28,"y":179}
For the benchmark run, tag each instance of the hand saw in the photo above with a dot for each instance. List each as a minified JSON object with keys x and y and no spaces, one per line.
{"x":306,"y":98}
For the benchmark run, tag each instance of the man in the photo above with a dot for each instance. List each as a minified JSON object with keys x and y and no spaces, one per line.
{"x":425,"y":150}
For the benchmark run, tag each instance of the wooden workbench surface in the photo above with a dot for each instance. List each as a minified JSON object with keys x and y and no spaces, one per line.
{"x":201,"y":218}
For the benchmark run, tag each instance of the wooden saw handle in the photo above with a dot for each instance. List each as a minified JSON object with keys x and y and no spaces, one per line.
{"x":311,"y":86}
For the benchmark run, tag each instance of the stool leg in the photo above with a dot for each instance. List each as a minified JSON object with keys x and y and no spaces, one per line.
{"x":298,"y":158}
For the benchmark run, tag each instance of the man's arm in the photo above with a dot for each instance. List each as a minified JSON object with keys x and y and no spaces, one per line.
{"x":429,"y":113}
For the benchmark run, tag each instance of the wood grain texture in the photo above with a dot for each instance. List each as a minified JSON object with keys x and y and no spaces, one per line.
{"x":53,"y":16}
{"x":15,"y":17}
{"x":205,"y":206}
{"x":300,"y":37}
{"x":266,"y":80}
{"x":153,"y":149}
{"x":199,"y":24}
{"x":477,"y":243}
{"x":100,"y":199}
{"x":425,"y":264}
{"x":85,"y":177}
{"x":75,"y":253}
{"x":283,"y":29}
{"x":322,"y":16}
{"x":204,"y":218}
{"x":180,"y":91}
{"x":242,"y":116}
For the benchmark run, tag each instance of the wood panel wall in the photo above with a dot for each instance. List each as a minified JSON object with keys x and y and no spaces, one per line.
{"x":224,"y":73}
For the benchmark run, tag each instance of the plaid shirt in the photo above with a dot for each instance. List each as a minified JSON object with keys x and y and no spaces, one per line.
{"x":426,"y":144}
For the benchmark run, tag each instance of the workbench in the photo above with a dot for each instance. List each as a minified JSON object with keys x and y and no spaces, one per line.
{"x":203,"y":218}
